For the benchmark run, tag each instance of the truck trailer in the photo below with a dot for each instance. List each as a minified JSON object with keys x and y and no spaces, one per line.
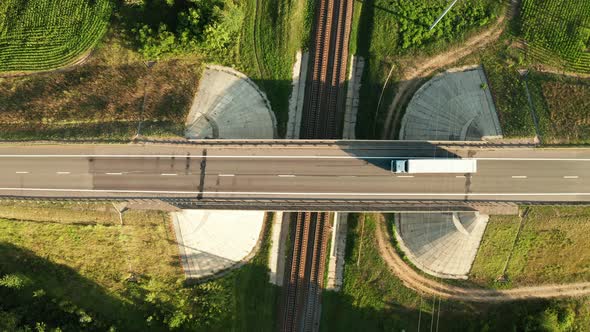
{"x":439,"y":165}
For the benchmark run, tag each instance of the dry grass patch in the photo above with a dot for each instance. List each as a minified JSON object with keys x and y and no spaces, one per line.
{"x":553,"y":247}
{"x":104,"y":98}
{"x":567,"y":113}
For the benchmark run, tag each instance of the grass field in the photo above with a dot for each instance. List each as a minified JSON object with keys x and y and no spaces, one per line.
{"x":558,"y":32}
{"x":109,"y":95}
{"x":105,"y":98}
{"x":373,"y":300}
{"x":273,"y":31}
{"x":553,"y":247}
{"x":78,"y":254}
{"x":508,"y":89}
{"x":561,"y":104}
{"x":44,"y":34}
{"x":392,"y":33}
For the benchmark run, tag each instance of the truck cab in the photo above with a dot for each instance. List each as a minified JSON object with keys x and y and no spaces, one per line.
{"x":399,"y":166}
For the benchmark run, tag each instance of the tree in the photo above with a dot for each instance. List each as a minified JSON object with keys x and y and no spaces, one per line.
{"x":14,"y":281}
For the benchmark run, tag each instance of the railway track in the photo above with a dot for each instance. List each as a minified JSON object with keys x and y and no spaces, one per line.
{"x":322,"y":119}
{"x":305,"y":276}
{"x":325,"y":95}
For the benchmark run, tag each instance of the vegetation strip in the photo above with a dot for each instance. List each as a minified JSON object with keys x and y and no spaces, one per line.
{"x":420,"y":283}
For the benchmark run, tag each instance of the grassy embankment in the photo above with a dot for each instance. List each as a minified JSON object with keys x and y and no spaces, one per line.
{"x":553,"y":247}
{"x":33,"y":39}
{"x":395,"y":33}
{"x":106,"y":98}
{"x":79,"y":255}
{"x":273,"y":32}
{"x":372,"y":299}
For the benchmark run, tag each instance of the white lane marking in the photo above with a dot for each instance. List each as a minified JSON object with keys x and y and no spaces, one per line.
{"x":114,"y":173}
{"x":459,"y":176}
{"x":63,"y":173}
{"x":570,"y":177}
{"x":168,"y":174}
{"x":180,"y":156}
{"x":347,"y":176}
{"x":286,"y":175}
{"x":519,"y":176}
{"x":292,"y":194}
{"x":227,"y":175}
{"x":405,"y":176}
{"x":22,"y":172}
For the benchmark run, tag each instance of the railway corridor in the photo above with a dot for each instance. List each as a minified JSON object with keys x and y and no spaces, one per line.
{"x":305,"y":272}
{"x":322,"y":118}
{"x":324,"y":93}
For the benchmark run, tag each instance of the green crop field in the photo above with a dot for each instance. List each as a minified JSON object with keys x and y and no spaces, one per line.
{"x":44,"y":34}
{"x":558,"y":32}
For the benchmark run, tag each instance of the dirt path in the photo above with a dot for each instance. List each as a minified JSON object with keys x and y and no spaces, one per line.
{"x":422,"y":284}
{"x":411,"y":76}
{"x":557,"y":71}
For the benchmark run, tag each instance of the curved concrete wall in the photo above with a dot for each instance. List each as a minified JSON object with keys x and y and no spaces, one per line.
{"x":441,"y":244}
{"x":455,"y":105}
{"x":229,"y":105}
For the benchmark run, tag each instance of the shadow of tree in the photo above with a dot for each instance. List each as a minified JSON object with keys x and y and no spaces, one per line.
{"x":66,"y":293}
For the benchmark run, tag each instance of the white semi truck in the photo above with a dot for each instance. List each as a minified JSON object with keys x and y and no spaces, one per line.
{"x":439,"y":165}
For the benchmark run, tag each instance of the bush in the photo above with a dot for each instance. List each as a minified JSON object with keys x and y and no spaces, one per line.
{"x":209,"y":26}
{"x":14,"y":281}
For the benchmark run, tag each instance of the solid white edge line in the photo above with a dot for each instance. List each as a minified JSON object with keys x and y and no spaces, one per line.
{"x":404,"y":176}
{"x":180,"y":156}
{"x":287,"y":193}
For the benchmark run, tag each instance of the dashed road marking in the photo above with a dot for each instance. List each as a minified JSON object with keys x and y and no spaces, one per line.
{"x":168,"y":174}
{"x":114,"y":173}
{"x":286,"y":175}
{"x":405,"y":176}
{"x":226,"y":175}
{"x":22,"y":172}
{"x":63,"y":173}
{"x":519,"y":176}
{"x":570,"y":177}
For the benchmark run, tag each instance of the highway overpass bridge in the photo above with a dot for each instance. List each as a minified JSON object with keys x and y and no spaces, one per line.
{"x":295,"y":175}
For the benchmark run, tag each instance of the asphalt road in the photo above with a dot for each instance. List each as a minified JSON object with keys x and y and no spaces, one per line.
{"x":352,"y":171}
